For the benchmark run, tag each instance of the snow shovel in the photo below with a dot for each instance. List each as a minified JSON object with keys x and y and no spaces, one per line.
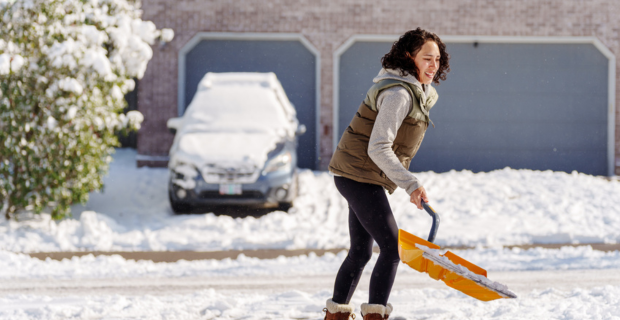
{"x":454,"y":271}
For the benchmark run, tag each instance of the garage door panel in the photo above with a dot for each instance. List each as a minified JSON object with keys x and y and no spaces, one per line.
{"x":524,"y":54}
{"x":528,"y":68}
{"x":476,"y":135}
{"x":478,"y":160}
{"x":291,"y":61}
{"x":581,"y":80}
{"x":537,"y":106}
{"x":518,"y":107}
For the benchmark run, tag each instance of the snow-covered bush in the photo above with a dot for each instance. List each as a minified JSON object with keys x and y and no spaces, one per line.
{"x":65,"y":66}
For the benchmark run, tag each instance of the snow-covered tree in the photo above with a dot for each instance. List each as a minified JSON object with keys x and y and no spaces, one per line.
{"x":65,"y":66}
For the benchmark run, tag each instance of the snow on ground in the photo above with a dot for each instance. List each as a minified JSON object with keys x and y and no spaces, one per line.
{"x":305,"y":301}
{"x":490,"y":209}
{"x":486,"y":210}
{"x":22,"y":266}
{"x":578,"y":304}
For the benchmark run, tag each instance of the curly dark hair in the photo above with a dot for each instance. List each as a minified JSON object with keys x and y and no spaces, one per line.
{"x":407,"y":46}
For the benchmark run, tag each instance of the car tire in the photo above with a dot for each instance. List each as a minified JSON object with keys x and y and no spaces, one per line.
{"x":179,"y":207}
{"x":284,"y":206}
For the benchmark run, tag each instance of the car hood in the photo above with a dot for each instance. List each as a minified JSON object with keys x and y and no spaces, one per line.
{"x":241,"y":150}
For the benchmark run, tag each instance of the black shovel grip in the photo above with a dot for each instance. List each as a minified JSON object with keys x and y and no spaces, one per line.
{"x":435,"y":216}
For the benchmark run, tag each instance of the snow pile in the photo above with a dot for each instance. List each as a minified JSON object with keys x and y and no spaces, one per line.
{"x":497,"y":208}
{"x":21,"y":266}
{"x":516,"y":259}
{"x":517,"y":207}
{"x":582,"y":304}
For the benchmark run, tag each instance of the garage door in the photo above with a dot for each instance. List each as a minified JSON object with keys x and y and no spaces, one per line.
{"x":291,"y":61}
{"x":532,"y":106}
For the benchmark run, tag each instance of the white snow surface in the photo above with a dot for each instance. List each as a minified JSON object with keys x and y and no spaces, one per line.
{"x":577,"y":304}
{"x":22,"y":266}
{"x":594,"y":303}
{"x":599,"y":302}
{"x":239,"y":150}
{"x":477,"y":209}
{"x":487,"y":209}
{"x":10,"y":63}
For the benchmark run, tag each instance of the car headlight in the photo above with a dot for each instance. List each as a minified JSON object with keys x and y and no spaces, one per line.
{"x":183,"y":171}
{"x":281,"y":162}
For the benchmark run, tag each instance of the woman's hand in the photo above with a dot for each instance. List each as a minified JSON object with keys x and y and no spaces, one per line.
{"x":417,"y":195}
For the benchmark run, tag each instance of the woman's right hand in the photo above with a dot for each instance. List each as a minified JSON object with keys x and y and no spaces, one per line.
{"x":417,"y":196}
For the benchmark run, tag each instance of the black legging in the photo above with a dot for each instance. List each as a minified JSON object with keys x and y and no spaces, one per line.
{"x":370,"y":217}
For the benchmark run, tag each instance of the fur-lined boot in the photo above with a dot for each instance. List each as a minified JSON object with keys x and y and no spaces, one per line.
{"x":376,"y":311}
{"x":335,"y":311}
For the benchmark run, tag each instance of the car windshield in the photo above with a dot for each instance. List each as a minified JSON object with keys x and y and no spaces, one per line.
{"x":235,"y":107}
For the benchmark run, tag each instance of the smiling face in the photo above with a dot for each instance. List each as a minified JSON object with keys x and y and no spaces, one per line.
{"x":427,"y":62}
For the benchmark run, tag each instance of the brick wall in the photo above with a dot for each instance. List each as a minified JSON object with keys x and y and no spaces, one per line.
{"x":327,"y":24}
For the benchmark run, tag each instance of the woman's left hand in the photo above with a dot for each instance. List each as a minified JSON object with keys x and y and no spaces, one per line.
{"x":417,"y":196}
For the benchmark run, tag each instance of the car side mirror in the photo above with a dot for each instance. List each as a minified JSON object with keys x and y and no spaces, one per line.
{"x":301,"y":129}
{"x":173,"y":124}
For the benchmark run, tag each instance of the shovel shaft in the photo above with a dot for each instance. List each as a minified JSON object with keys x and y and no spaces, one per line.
{"x":435,"y":226}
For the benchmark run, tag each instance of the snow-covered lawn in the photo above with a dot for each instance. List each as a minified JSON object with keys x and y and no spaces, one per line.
{"x":489,"y":209}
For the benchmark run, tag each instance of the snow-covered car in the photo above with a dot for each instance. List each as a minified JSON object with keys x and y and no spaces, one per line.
{"x":235,"y":144}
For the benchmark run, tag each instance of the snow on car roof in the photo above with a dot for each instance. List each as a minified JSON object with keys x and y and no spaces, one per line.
{"x":234,"y":118}
{"x":249,"y":102}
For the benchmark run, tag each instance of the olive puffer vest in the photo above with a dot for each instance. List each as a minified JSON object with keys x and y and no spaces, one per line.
{"x":351,"y":159}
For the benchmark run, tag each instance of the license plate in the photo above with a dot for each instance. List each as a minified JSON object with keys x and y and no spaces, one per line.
{"x":230,"y":188}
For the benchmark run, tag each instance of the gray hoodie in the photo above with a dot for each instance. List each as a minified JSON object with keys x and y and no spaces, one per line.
{"x":393,"y":105}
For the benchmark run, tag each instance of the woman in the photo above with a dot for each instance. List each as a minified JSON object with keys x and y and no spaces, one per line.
{"x":374,"y":153}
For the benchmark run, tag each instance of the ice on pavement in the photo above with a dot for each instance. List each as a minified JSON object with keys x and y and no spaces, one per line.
{"x":489,"y":209}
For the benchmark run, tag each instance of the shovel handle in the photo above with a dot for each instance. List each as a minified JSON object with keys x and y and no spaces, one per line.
{"x":435,"y":216}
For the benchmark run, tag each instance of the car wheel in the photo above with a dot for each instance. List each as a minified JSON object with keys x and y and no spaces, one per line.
{"x":179,"y":207}
{"x":284,"y":206}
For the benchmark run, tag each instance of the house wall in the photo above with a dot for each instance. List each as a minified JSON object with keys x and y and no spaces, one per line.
{"x":328,"y":24}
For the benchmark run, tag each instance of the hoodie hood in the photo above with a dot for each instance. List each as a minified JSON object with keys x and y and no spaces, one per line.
{"x":395,"y":74}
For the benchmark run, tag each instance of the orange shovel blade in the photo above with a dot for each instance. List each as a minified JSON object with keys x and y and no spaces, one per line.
{"x":412,"y":255}
{"x":424,"y":262}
